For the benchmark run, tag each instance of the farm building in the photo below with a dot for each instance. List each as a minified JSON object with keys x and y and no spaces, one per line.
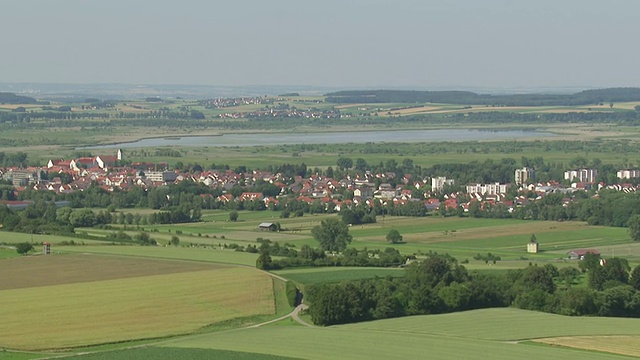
{"x":533,"y":246}
{"x":579,"y":254}
{"x":267,"y":226}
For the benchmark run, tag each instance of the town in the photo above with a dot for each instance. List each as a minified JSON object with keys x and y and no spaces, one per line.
{"x":328,"y":193}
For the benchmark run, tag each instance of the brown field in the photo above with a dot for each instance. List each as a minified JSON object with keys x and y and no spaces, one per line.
{"x":416,"y":110}
{"x":34,"y":271}
{"x":15,"y":106}
{"x":623,"y":345}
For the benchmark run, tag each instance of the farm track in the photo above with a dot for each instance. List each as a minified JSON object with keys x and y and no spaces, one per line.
{"x":294,"y":315}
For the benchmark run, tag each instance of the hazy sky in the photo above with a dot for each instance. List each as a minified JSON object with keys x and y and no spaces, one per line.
{"x":346,"y":43}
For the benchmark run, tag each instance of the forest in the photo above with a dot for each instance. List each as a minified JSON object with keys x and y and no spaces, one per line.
{"x":586,"y":97}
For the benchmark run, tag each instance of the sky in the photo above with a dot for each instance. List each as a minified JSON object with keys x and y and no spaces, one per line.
{"x":420,"y":44}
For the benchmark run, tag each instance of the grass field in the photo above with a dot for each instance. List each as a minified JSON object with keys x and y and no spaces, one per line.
{"x":329,"y":274}
{"x":101,"y":310}
{"x":494,"y":333}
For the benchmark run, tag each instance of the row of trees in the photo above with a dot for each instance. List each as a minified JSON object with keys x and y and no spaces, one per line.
{"x":45,"y":218}
{"x":438,"y":284}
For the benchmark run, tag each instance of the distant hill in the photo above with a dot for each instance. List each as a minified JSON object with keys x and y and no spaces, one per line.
{"x":587,"y":97}
{"x":9,"y":98}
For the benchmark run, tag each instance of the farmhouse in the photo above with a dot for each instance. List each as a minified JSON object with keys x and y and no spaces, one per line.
{"x":579,"y":254}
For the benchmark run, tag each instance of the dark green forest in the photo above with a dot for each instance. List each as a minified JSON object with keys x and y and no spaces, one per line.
{"x":438,"y":284}
{"x":586,"y":97}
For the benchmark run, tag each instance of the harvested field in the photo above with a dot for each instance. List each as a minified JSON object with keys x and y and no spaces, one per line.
{"x":623,"y":345}
{"x":34,"y":271}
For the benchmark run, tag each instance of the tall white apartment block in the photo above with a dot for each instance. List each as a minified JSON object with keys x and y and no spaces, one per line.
{"x":523,"y":175}
{"x":487,"y":189}
{"x":581,"y":175}
{"x":438,"y":183}
{"x":628,"y":174}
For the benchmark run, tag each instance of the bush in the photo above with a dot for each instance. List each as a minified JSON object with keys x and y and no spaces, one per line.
{"x":292,"y":294}
{"x":23,"y":248}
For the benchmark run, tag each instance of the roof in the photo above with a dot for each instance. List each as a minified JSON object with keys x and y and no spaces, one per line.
{"x":583,"y":252}
{"x":266,"y":225}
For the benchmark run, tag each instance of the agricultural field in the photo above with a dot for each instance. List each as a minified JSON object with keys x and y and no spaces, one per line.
{"x":498,"y":333}
{"x":165,"y":297}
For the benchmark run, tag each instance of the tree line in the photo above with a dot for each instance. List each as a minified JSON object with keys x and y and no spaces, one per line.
{"x":586,"y":97}
{"x":438,"y":284}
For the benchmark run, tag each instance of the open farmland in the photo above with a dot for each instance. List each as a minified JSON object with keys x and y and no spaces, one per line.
{"x":164,"y":299}
{"x":497,"y":333}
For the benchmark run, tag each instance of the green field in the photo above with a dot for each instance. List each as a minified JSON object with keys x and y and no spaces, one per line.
{"x":497,"y":333}
{"x":329,"y":274}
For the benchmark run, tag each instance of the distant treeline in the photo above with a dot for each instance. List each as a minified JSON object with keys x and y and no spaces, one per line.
{"x":586,"y":97}
{"x":9,"y":98}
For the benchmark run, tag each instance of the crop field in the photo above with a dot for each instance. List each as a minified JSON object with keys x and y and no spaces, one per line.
{"x":171,"y":253}
{"x":626,"y":345}
{"x":498,"y":333}
{"x":165,"y":299}
{"x":34,"y":271}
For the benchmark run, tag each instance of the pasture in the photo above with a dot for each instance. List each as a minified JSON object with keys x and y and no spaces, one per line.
{"x":164,"y":297}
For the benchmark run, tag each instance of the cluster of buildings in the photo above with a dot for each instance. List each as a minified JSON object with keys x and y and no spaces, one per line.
{"x":111,"y":173}
{"x":286,"y":113}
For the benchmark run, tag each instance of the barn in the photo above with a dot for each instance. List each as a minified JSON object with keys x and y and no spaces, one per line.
{"x":579,"y":254}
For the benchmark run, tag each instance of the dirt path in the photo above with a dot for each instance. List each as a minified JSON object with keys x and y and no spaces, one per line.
{"x":294,"y":315}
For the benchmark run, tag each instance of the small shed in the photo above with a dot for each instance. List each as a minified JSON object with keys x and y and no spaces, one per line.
{"x":46,"y":248}
{"x":267,"y":226}
{"x":533,"y":246}
{"x":578,"y":254}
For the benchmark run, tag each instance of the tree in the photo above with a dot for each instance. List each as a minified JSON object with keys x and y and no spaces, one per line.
{"x":634,"y":227}
{"x":394,"y":236}
{"x":344,"y":163}
{"x":175,"y":241}
{"x":332,"y":234}
{"x":361,"y":164}
{"x":233,"y":216}
{"x":23,"y":248}
{"x":635,"y":278}
{"x":264,"y":261}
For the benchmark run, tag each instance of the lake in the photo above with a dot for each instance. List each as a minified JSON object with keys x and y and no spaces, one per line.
{"x":390,"y":136}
